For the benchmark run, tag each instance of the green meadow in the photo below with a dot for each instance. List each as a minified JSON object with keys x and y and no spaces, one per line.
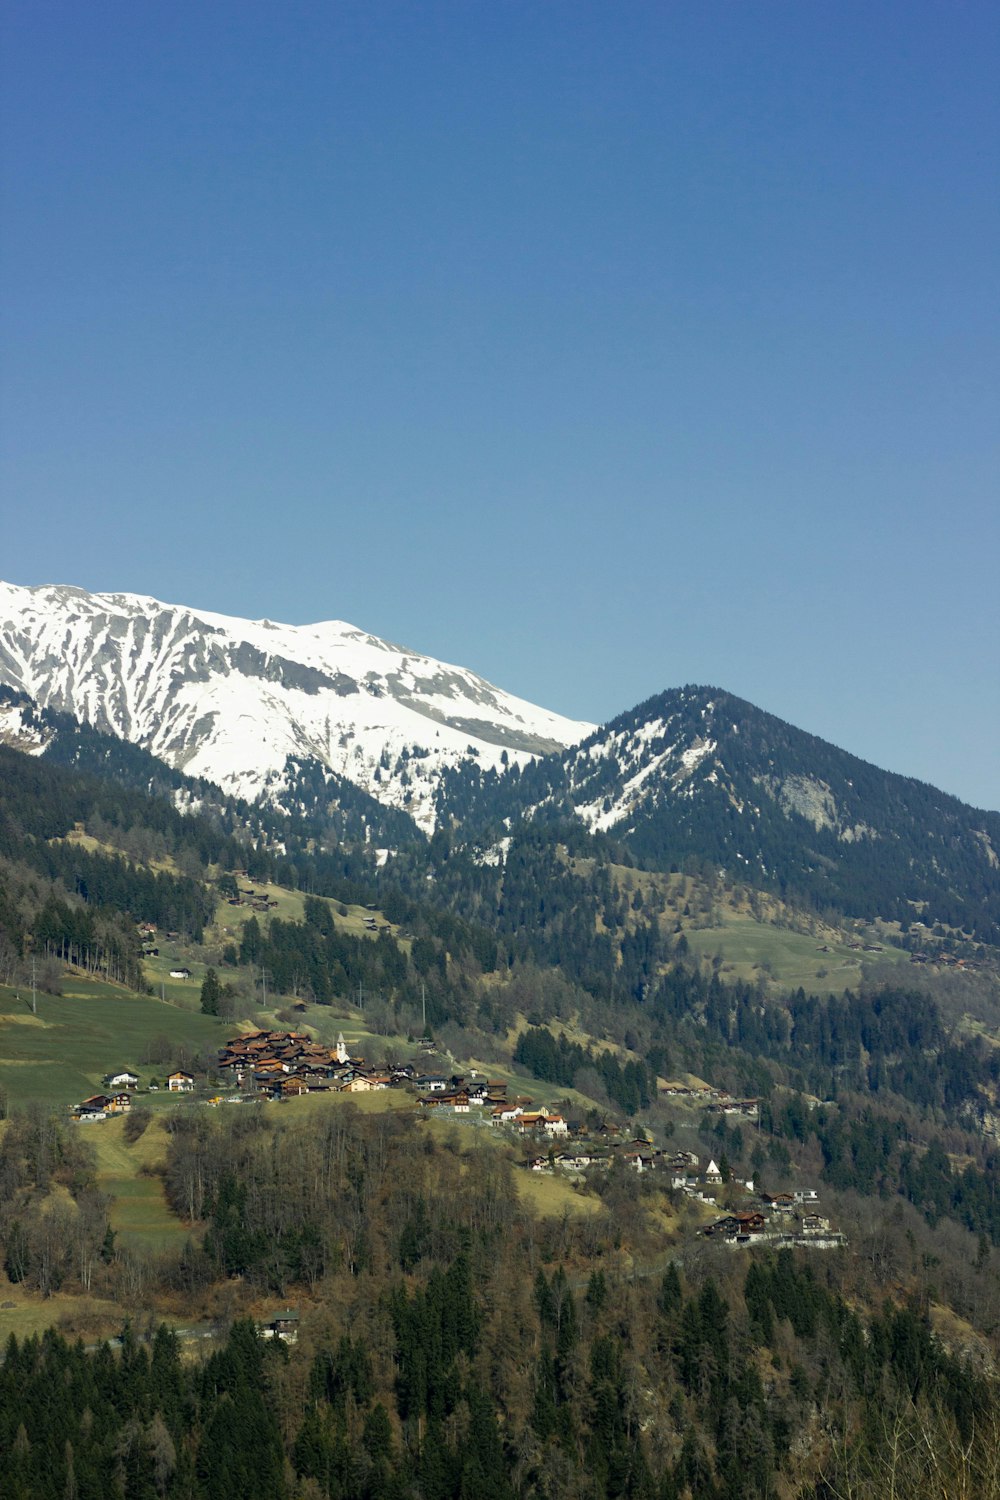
{"x":751,"y":949}
{"x":139,"y":1212}
{"x":61,"y":1054}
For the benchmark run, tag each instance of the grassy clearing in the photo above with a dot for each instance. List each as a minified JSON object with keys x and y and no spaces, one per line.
{"x":24,"y":1313}
{"x":750,"y":949}
{"x":552,"y":1196}
{"x":289,"y":906}
{"x":61,"y":1054}
{"x":139,"y":1211}
{"x":230,"y":920}
{"x":380,"y":1101}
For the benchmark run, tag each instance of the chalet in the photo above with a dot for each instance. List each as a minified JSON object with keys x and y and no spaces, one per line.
{"x":270,"y":1066}
{"x":683,"y":1161}
{"x":726,"y":1106}
{"x":285,"y":1327}
{"x":180,"y":1082}
{"x":778,"y":1203}
{"x":431,"y":1083}
{"x":738,"y":1227}
{"x":505,"y":1114}
{"x":266,"y":1083}
{"x":122,"y":1080}
{"x":96,"y":1104}
{"x":712,"y":1175}
{"x":456,"y":1100}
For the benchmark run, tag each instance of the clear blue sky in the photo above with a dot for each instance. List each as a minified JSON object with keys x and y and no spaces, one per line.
{"x":600,"y":347}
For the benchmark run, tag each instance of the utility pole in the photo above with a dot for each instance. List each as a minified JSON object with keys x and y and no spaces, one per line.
{"x":34,"y":988}
{"x":423,"y":1005}
{"x":361,"y":997}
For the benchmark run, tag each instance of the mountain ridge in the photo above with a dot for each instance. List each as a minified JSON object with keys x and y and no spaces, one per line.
{"x":233,"y":700}
{"x":697,"y":773}
{"x":328,"y":721}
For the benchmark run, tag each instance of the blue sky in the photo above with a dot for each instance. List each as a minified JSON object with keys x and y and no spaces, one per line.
{"x":598,"y":347}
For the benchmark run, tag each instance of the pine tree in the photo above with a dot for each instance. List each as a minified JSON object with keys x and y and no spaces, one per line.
{"x":210,"y":992}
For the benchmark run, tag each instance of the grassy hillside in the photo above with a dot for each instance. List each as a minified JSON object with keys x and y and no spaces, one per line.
{"x":754,"y":934}
{"x":139,"y":1213}
{"x":61,"y":1054}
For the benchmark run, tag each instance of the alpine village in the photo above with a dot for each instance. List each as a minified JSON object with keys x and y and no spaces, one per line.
{"x":474,"y":1106}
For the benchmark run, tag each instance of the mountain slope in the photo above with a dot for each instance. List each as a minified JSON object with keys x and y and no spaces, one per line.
{"x":321,"y":807}
{"x":697,"y":772}
{"x":233,"y":700}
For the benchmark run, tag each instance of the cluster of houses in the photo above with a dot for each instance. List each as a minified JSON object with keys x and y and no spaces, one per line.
{"x":249,"y":896}
{"x":459,"y":1095}
{"x":782,"y":1219}
{"x":637,"y":1154}
{"x":715,"y":1101}
{"x":285,"y":1064}
{"x":948,"y":960}
{"x":120,"y":1090}
{"x":116,"y":1101}
{"x":147,"y":932}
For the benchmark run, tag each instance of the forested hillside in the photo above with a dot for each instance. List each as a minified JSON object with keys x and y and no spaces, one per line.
{"x":452,"y":1339}
{"x":461,"y":1346}
{"x":698,"y":774}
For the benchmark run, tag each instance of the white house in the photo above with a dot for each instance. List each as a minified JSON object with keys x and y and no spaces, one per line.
{"x":123,"y":1080}
{"x":180,"y":1082}
{"x":506,"y":1114}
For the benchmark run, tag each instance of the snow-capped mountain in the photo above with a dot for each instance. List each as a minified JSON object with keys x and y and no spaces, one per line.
{"x":235,"y":701}
{"x":698,"y":774}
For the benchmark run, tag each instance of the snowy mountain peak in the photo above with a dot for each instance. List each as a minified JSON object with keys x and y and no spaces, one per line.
{"x":235,"y":700}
